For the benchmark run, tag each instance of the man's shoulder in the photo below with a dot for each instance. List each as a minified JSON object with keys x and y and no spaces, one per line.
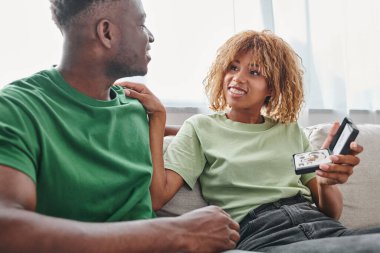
{"x":26,"y":95}
{"x":32,"y":82}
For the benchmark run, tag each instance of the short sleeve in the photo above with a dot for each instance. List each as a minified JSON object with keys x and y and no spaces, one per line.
{"x":18,"y":145}
{"x":305,"y":178}
{"x":184,"y":154}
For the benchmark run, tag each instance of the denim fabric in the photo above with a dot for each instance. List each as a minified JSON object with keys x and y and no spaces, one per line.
{"x":289,"y":221}
{"x":369,"y":243}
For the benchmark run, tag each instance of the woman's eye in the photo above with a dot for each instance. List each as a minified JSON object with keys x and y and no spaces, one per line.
{"x":233,"y":67}
{"x":254,"y":72}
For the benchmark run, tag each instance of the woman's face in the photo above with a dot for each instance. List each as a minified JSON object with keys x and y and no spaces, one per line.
{"x":244,"y":86}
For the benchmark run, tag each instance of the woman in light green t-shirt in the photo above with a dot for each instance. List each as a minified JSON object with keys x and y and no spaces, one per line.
{"x":241,"y":154}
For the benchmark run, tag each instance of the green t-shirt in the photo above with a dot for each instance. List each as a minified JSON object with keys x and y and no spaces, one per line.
{"x":240,"y":166}
{"x":90,"y":159}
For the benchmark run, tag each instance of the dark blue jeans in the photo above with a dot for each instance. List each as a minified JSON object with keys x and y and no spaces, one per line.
{"x":288,"y":221}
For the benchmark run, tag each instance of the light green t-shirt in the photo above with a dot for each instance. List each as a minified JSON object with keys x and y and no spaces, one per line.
{"x":240,"y":166}
{"x":90,"y":159}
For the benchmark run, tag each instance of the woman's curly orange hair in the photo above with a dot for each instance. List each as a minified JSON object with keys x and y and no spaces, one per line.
{"x":277,"y":62}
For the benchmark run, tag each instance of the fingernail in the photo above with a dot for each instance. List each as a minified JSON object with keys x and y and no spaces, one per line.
{"x":333,"y":158}
{"x":324,"y":166}
{"x":127,"y":92}
{"x":354,"y":145}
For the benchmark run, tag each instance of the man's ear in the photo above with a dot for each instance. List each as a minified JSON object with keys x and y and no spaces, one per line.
{"x":105,"y":33}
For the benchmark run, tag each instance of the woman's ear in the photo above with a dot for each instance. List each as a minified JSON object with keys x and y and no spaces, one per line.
{"x":270,"y":91}
{"x":105,"y":33}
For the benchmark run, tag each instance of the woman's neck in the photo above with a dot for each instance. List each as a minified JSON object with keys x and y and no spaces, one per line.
{"x":245,"y":117}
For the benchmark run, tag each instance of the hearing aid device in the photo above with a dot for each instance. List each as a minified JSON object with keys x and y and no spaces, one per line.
{"x":309,"y":161}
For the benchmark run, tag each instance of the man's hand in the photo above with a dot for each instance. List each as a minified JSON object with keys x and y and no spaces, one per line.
{"x":209,"y":229}
{"x":139,"y":91}
{"x":342,"y":166}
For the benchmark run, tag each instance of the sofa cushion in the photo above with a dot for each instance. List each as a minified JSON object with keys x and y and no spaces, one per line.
{"x":361,"y":192}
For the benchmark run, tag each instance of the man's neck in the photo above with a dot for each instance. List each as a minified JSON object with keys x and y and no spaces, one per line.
{"x":91,"y":83}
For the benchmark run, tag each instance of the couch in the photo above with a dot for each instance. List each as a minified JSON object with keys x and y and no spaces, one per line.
{"x":361,"y":192}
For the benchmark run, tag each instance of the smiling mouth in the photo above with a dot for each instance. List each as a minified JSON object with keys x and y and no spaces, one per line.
{"x":236,"y":90}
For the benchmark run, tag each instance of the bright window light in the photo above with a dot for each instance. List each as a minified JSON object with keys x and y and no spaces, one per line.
{"x":337,"y":41}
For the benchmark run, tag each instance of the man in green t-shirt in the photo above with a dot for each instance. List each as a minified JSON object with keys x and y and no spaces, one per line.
{"x":75,"y":158}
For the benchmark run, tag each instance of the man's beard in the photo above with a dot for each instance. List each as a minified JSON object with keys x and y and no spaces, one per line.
{"x":116,"y":69}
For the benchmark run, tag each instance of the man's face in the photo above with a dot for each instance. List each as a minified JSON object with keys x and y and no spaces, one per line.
{"x":132,"y":56}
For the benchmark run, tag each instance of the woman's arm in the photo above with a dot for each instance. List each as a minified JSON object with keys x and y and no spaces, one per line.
{"x":324,"y":189}
{"x":328,"y":198}
{"x":165,"y":183}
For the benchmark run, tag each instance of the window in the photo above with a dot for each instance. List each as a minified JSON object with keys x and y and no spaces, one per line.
{"x":187,"y":35}
{"x":337,"y":41}
{"x":29,"y":42}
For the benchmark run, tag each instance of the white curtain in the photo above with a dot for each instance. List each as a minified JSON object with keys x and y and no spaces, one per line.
{"x":29,"y":39}
{"x":338,"y":41}
{"x":188,"y":33}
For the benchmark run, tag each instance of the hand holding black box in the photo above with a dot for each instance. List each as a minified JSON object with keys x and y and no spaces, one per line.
{"x":309,"y":161}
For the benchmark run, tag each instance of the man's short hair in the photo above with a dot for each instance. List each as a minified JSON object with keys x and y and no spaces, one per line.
{"x":64,"y":12}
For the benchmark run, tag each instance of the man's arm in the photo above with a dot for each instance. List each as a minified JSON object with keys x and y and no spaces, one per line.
{"x":23,"y":230}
